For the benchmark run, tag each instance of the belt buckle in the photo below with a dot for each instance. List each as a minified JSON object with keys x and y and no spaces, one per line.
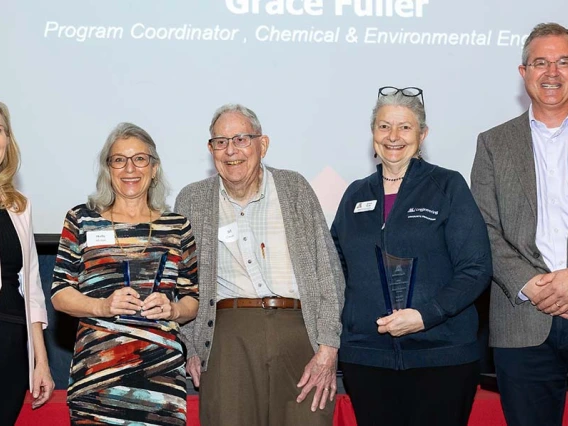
{"x":263,"y":303}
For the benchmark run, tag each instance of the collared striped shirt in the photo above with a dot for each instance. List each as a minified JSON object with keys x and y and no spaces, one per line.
{"x":253,"y":252}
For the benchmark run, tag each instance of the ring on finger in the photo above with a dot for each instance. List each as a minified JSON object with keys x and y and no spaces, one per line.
{"x":557,"y":304}
{"x":162,"y":308}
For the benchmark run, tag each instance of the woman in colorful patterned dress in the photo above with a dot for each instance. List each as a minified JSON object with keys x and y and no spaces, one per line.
{"x":128,"y":363}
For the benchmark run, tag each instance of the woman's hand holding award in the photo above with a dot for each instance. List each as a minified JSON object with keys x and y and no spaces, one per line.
{"x":144,"y":275}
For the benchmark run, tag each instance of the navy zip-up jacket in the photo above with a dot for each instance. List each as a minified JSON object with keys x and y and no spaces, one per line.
{"x":435,"y":220}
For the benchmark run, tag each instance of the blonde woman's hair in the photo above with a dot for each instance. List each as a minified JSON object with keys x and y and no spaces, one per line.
{"x":9,"y":197}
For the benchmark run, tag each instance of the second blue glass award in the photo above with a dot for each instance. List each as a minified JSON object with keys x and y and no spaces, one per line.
{"x":397,"y":279}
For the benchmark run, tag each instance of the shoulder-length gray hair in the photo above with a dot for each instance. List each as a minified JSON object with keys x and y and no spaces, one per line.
{"x":103,"y":198}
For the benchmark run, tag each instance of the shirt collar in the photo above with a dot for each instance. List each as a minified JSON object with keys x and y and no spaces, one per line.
{"x":540,"y":126}
{"x":259,"y":196}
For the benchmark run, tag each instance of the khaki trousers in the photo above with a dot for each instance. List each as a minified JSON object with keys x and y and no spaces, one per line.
{"x":257,"y":358}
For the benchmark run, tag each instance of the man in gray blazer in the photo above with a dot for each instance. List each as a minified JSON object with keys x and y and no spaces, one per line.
{"x":263,"y":347}
{"x":520,"y":182}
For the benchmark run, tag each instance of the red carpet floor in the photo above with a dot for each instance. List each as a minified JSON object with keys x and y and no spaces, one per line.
{"x":486,"y":412}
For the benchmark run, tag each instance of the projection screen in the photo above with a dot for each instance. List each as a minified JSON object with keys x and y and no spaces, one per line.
{"x":72,"y":70}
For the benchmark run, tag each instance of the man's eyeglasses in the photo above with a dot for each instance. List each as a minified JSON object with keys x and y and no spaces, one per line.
{"x":239,"y":141}
{"x":543,"y":64}
{"x":410,"y":92}
{"x":139,"y":160}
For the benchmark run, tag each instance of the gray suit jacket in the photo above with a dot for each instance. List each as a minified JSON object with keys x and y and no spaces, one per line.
{"x":503,"y":182}
{"x":314,"y":259}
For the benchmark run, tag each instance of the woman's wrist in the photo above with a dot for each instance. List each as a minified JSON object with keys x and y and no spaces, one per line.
{"x":174,"y":316}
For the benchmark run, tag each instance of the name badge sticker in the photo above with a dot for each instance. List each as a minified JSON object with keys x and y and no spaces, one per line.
{"x":365,"y":206}
{"x":100,"y":238}
{"x":229,"y":233}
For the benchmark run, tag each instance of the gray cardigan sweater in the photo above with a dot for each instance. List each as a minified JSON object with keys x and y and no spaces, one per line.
{"x":314,"y":259}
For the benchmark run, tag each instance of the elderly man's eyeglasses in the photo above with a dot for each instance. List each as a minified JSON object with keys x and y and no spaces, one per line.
{"x":410,"y":92}
{"x":543,"y":64}
{"x":139,"y":160}
{"x":239,"y":141}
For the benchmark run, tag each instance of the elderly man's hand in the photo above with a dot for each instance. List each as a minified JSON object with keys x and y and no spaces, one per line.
{"x":401,"y":322}
{"x":553,"y":298}
{"x":321,"y":374}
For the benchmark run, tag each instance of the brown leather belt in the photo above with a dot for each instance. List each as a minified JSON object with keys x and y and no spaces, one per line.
{"x":264,"y":303}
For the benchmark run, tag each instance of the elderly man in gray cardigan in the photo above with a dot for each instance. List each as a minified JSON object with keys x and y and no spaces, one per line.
{"x":263,"y":347}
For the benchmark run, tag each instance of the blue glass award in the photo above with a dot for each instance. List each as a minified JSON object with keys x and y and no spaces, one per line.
{"x":397,"y":279}
{"x":144,"y":275}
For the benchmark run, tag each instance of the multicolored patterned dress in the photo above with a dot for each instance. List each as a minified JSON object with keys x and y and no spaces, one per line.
{"x":124,"y":374}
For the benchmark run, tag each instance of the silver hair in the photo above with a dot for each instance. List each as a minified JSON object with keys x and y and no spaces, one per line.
{"x":103,"y":198}
{"x":413,"y":103}
{"x":238,"y":108}
{"x":542,"y":30}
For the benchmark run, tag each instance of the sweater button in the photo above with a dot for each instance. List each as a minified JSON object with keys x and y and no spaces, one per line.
{"x":536,"y":254}
{"x":211,"y":302}
{"x":210,"y":323}
{"x":207,"y":343}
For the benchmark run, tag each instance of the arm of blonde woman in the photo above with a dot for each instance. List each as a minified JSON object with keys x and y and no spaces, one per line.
{"x":158,"y":306}
{"x":42,"y":383}
{"x":125,"y":301}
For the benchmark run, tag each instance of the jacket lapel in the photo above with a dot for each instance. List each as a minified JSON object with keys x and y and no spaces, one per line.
{"x":20,"y":221}
{"x":521,"y":149}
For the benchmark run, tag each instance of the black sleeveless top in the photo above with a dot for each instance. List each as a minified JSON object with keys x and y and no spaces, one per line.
{"x":12,"y":307}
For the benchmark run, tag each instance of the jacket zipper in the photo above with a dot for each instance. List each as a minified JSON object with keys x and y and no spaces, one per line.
{"x":399,"y":362}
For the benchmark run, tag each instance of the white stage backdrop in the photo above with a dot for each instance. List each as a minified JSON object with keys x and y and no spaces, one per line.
{"x":71,"y":70}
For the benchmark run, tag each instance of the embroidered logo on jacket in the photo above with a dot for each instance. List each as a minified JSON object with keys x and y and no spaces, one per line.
{"x":422,"y":213}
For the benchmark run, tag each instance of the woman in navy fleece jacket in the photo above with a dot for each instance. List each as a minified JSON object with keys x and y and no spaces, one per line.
{"x":419,"y":365}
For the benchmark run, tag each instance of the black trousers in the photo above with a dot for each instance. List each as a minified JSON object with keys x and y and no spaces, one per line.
{"x":532,"y":381}
{"x":13,"y":371}
{"x":438,"y":396}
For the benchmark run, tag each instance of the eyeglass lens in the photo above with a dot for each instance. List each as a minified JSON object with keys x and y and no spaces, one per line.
{"x":119,"y":161}
{"x":239,"y":141}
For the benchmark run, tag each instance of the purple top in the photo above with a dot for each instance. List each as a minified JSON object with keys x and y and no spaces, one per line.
{"x":389,"y":201}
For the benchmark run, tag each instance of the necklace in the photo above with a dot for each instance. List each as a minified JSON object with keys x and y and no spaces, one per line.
{"x":393,"y":179}
{"x":118,"y":242}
